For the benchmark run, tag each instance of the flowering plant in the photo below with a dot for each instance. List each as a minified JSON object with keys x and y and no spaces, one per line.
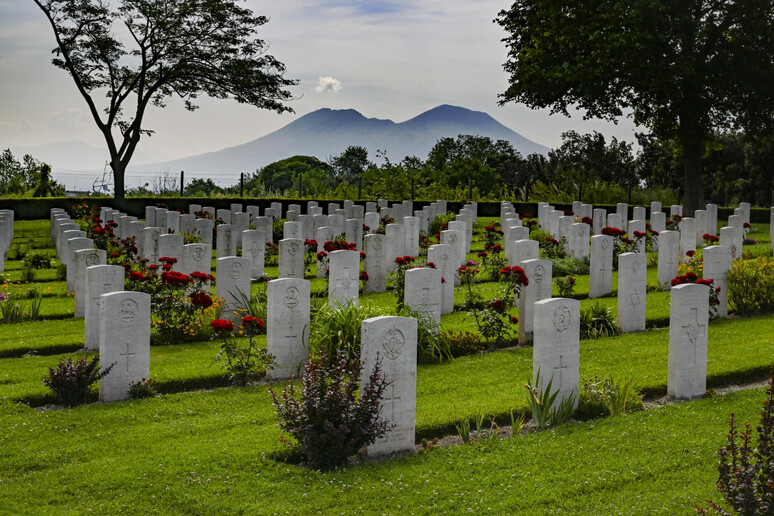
{"x":494,"y":321}
{"x":714,"y":292}
{"x":566,"y":285}
{"x":710,"y":239}
{"x":244,"y":363}
{"x":398,"y":278}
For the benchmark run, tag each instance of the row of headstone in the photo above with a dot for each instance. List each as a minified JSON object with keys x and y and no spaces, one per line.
{"x":6,"y":235}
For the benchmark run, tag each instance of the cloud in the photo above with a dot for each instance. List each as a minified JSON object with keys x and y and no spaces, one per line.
{"x":327,"y":84}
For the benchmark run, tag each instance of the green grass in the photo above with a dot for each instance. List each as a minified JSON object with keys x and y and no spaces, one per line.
{"x":218,"y":451}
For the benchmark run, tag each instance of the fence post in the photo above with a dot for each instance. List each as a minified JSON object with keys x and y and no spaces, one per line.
{"x":182,"y":181}
{"x":241,"y":184}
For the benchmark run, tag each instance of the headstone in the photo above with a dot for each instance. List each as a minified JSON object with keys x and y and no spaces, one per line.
{"x":687,"y":235}
{"x":74,"y":245}
{"x":701,"y":226}
{"x":372,"y":221}
{"x":224,"y":215}
{"x":639,"y":213}
{"x":622,"y":210}
{"x":287,"y":326}
{"x":83,"y":259}
{"x":716,"y":262}
{"x":655,"y":207}
{"x":658,"y":221}
{"x":197,"y":258}
{"x":639,"y":226}
{"x":203,"y":229}
{"x":601,"y":266}
{"x":580,"y":241}
{"x":668,"y":257}
{"x":411,"y":232}
{"x":523,"y":250}
{"x":733,"y":238}
{"x":232,"y":283}
{"x":375,"y":263}
{"x":343,"y":278}
{"x":193,"y":208}
{"x":291,"y":258}
{"x":172,"y":224}
{"x":235,"y":208}
{"x":99,"y":279}
{"x":396,"y":244}
{"x":323,"y":234}
{"x":556,"y":348}
{"x":423,"y":292}
{"x":675,"y":209}
{"x":254,"y":249}
{"x":265,"y":224}
{"x":745,"y":207}
{"x":227,"y":241}
{"x":393,"y":342}
{"x":712,"y":219}
{"x":241,"y":221}
{"x":292,"y":230}
{"x":599,"y":221}
{"x":124,"y":340}
{"x":688,"y":324}
{"x":614,"y":221}
{"x":354,"y":233}
{"x":632,"y":287}
{"x":539,"y":275}
{"x":187,"y":223}
{"x":442,"y":255}
{"x":171,"y":246}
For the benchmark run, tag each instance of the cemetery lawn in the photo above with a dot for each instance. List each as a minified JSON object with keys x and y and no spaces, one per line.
{"x":213,"y":453}
{"x":194,"y":451}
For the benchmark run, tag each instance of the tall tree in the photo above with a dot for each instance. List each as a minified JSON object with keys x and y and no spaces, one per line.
{"x":141,"y":52}
{"x":683,"y":68}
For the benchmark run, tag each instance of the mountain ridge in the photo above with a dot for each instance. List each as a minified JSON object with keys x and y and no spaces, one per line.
{"x":328,"y":132}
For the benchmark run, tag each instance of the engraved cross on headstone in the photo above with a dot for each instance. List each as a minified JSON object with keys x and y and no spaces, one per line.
{"x":127,"y":355}
{"x":392,"y":399}
{"x":560,"y":368}
{"x":693,"y":330}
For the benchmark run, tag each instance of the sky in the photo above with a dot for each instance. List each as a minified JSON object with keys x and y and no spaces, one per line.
{"x":387,"y":59}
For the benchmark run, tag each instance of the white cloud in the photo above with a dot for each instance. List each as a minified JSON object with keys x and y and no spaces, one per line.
{"x":327,"y":84}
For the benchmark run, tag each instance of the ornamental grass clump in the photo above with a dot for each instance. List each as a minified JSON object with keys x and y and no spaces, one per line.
{"x":336,"y":330}
{"x":746,"y":469}
{"x":328,"y":418}
{"x":71,"y":380}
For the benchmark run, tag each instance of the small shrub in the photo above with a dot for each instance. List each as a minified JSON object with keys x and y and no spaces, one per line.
{"x":145,"y":388}
{"x":61,"y":272}
{"x":569,"y":267}
{"x":597,"y":321}
{"x":71,"y":380}
{"x":37,"y":260}
{"x":461,"y":343}
{"x":746,"y":471}
{"x":431,"y":347}
{"x":27,"y":274}
{"x":566,"y":285}
{"x":327,"y":418}
{"x":751,"y":285}
{"x":13,"y":310}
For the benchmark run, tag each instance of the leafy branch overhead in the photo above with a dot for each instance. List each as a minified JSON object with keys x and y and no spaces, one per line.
{"x":141,"y":52}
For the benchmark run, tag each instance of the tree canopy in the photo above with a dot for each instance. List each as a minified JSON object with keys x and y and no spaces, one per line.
{"x":142,"y":52}
{"x":684,"y":68}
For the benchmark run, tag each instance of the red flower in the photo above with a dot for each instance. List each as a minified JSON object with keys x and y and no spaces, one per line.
{"x":364,"y":276}
{"x":443,"y":280}
{"x":134,"y":249}
{"x":175,"y":279}
{"x":431,"y":265}
{"x":746,"y":225}
{"x":482,"y":254}
{"x":362,"y":255}
{"x":136,"y":276}
{"x":613,"y":232}
{"x":514,"y":319}
{"x":707,"y":282}
{"x":310,"y":242}
{"x":321,"y":255}
{"x":253,"y":323}
{"x":526,"y":216}
{"x":587,"y":220}
{"x":115,"y":254}
{"x":201,"y":298}
{"x":127,"y":266}
{"x":167,"y":259}
{"x":222,"y":325}
{"x":167,"y":267}
{"x":489,"y":228}
{"x":691,"y":277}
{"x":366,"y":228}
{"x":497,"y":249}
{"x":639,"y":234}
{"x":153,"y":266}
{"x":498,"y":305}
{"x":408,"y":258}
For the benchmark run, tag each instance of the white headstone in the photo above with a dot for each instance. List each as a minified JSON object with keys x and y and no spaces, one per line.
{"x":254,"y":249}
{"x":733,"y":238}
{"x":171,"y":246}
{"x":375,"y":264}
{"x":442,"y":255}
{"x":716,"y":262}
{"x":393,"y":342}
{"x":227,"y":240}
{"x":601,"y":266}
{"x":83,"y":259}
{"x":100,"y":279}
{"x":343,"y":278}
{"x":687,"y":235}
{"x":712,"y":219}
{"x":197,"y":258}
{"x":688,"y":324}
{"x":396,"y":244}
{"x":556,"y":347}
{"x":287,"y":326}
{"x":539,"y":275}
{"x":232,"y":283}
{"x":423,"y":292}
{"x":632,"y":287}
{"x":291,"y":258}
{"x":668,"y":257}
{"x":124,"y":340}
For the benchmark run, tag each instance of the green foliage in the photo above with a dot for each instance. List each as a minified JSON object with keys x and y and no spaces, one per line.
{"x":199,"y":187}
{"x":461,"y":343}
{"x":542,"y":404}
{"x":569,"y":267}
{"x":431,"y":347}
{"x":566,"y":285}
{"x":606,"y":397}
{"x":336,"y":330}
{"x":37,"y":260}
{"x":71,"y":381}
{"x":597,"y":321}
{"x":14,"y":310}
{"x":440,"y":223}
{"x":316,"y":177}
{"x":751,"y":285}
{"x":244,"y":362}
{"x":145,"y":388}
{"x":328,"y":418}
{"x":26,"y":178}
{"x":746,"y":470}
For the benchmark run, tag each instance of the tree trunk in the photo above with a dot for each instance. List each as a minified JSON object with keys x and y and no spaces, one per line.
{"x":118,"y":182}
{"x":693,"y":198}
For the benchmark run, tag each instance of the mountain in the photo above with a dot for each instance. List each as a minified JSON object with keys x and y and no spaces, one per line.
{"x":326,"y":132}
